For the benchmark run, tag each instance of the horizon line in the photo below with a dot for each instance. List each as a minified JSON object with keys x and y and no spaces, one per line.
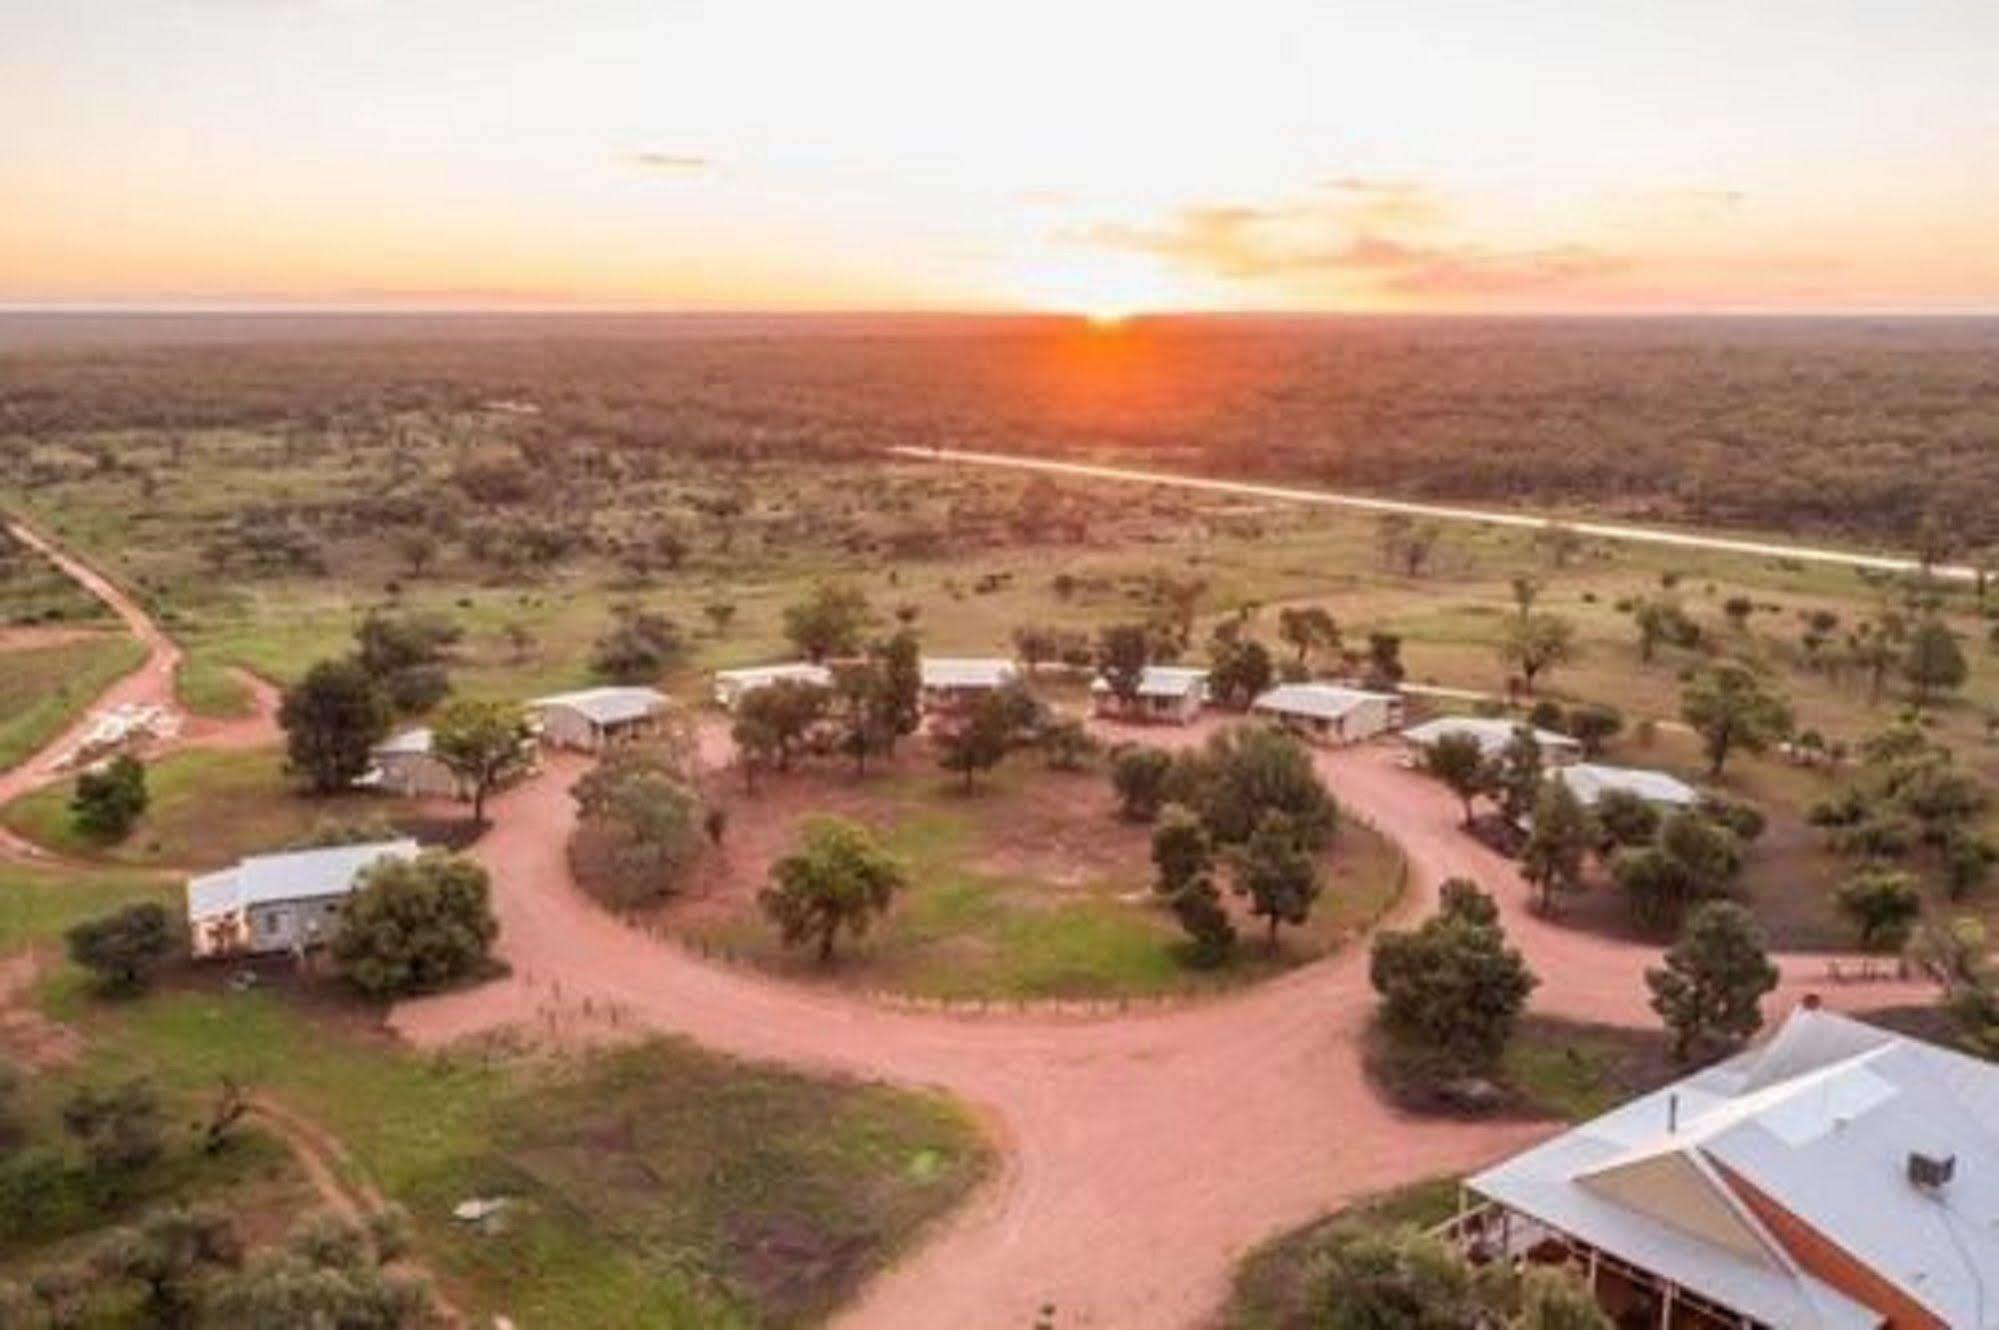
{"x":227,"y":308}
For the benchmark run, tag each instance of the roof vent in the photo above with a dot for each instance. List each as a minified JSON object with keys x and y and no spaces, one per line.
{"x":1930,"y":1172}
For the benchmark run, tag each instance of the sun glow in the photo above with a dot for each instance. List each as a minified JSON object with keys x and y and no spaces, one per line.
{"x":1103,"y":289}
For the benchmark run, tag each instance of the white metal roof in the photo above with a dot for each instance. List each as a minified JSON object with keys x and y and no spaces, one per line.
{"x":756,"y":676}
{"x":1162,"y":681}
{"x":296,"y":875}
{"x":409,"y":741}
{"x":968,"y":671}
{"x":1821,"y":1120}
{"x":607,"y":706}
{"x":1324,"y":701}
{"x":1492,"y":732}
{"x":1589,"y":781}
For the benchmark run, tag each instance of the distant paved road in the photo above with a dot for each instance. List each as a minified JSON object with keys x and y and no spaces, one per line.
{"x":1447,"y":512}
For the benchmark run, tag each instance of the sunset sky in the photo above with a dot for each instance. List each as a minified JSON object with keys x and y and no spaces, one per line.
{"x":1086,"y":155}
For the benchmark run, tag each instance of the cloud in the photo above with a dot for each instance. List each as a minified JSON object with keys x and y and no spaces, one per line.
{"x":669,"y":161}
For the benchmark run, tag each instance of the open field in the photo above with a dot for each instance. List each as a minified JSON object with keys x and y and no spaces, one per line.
{"x":44,"y":688}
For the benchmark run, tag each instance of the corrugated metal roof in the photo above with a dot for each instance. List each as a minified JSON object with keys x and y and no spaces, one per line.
{"x":607,"y":706}
{"x":1162,"y":681}
{"x":296,"y":875}
{"x":409,"y":741}
{"x":1492,"y":732}
{"x":968,"y":672}
{"x":754,"y":676}
{"x":1323,"y":701}
{"x":1589,"y":782}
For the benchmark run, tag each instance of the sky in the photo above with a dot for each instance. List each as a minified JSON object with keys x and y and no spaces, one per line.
{"x":1089,"y":156}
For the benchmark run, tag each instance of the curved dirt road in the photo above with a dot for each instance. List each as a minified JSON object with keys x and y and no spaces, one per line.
{"x":1140,"y":1155}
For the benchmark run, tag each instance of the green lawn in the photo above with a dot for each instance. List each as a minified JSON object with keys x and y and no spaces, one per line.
{"x":43,"y":689}
{"x":208,"y":808}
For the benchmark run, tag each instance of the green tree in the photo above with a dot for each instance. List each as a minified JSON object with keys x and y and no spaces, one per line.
{"x":1517,"y":774}
{"x":121,"y":1128}
{"x":828,"y":622}
{"x":981,"y":739}
{"x":1244,"y":772}
{"x":415,"y":925}
{"x":900,"y":659}
{"x":1933,"y":662}
{"x":639,"y":824}
{"x":1123,"y":652}
{"x":1729,"y":707}
{"x":1594,"y":725}
{"x":328,"y":1273}
{"x":332,"y":719}
{"x":1563,"y":833}
{"x":1533,"y":644}
{"x":1452,"y":988}
{"x":1139,"y":774}
{"x":862,"y":712}
{"x":1372,"y":1278}
{"x":1624,"y":820}
{"x":839,"y":878}
{"x":123,"y":948}
{"x":407,"y":655}
{"x":638,"y":646}
{"x":1197,"y":907}
{"x":1308,"y":628}
{"x":1458,"y":760}
{"x":1181,"y":851}
{"x":1692,"y":860}
{"x":1277,"y":874}
{"x":1067,"y":745}
{"x":1710,"y":990}
{"x":483,"y":743}
{"x":1884,"y":904}
{"x":167,"y":1254}
{"x":110,"y":799}
{"x":772,"y":723}
{"x":1241,"y":669}
{"x":1552,"y":1299}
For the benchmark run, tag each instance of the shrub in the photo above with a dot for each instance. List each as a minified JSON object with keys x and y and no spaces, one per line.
{"x":1138,"y":774}
{"x":123,"y":948}
{"x":109,"y":799}
{"x":415,"y":925}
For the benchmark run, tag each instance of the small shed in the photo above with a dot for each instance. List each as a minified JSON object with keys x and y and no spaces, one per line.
{"x":952,"y":683}
{"x":1493,"y":734}
{"x":731,"y":686}
{"x":1170,"y":693}
{"x":1589,"y":782}
{"x":272,"y":903}
{"x":595,"y":718}
{"x":404,"y":764}
{"x":1330,"y":713}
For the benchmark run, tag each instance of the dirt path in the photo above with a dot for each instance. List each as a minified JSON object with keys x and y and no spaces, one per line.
{"x":1142,"y":1155}
{"x":1641,"y":535}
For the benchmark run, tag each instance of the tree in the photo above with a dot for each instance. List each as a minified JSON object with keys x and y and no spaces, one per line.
{"x":1594,"y":725}
{"x":1561,"y":839}
{"x":1373,"y":1278}
{"x":720,"y":614}
{"x":332,"y":720}
{"x":1884,"y":903}
{"x":1277,"y":874}
{"x":840,"y":878}
{"x":981,"y":739}
{"x":406,"y":656}
{"x":415,"y":925}
{"x":1384,"y":661}
{"x":109,"y":799}
{"x":1532,"y":644}
{"x":1660,"y":619}
{"x":1933,"y":662}
{"x":1241,"y":669}
{"x":638,"y":647}
{"x":639,"y":823}
{"x":1123,"y":652}
{"x":1181,"y":852}
{"x":329,"y":1273}
{"x":1458,"y":760}
{"x":1197,"y":908}
{"x":1308,"y":628}
{"x":1729,"y":707}
{"x":1067,"y":745}
{"x":1517,"y":774}
{"x":1452,"y":988}
{"x":166,"y":1254}
{"x":1711,"y":987}
{"x":1138,"y":775}
{"x":122,"y":1128}
{"x":483,"y":743}
{"x":828,"y":622}
{"x":900,"y":658}
{"x":124,"y":947}
{"x":772,"y":722}
{"x":1553,"y":1299}
{"x":1624,"y":820}
{"x":861,"y":712}
{"x":1693,"y":859}
{"x":1247,"y":771}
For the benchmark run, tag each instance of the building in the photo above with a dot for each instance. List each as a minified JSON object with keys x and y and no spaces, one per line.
{"x":1839,"y":1177}
{"x":594,"y":718}
{"x":1331,"y":713}
{"x":1589,"y":782}
{"x":1493,"y":734}
{"x":951,"y":683}
{"x":279,"y":902}
{"x":1165,"y":693}
{"x":732,"y":685}
{"x":404,"y":764}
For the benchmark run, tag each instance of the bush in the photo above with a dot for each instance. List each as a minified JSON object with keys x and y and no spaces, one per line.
{"x":415,"y":925}
{"x":1138,"y":774}
{"x":639,"y":825}
{"x":123,"y":948}
{"x":1884,"y":903}
{"x":638,"y":647}
{"x":109,"y":799}
{"x":1452,"y":989}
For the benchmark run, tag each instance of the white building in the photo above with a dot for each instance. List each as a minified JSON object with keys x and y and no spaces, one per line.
{"x":1839,"y":1177}
{"x":1165,"y":693}
{"x":1589,"y":782}
{"x":731,"y":686}
{"x":953,"y":682}
{"x":1493,"y":734}
{"x":278,"y":902}
{"x":1331,"y":713}
{"x":593,"y":718}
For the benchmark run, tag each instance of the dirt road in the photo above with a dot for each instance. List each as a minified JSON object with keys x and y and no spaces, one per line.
{"x":1141,"y":1155}
{"x":1444,"y":512}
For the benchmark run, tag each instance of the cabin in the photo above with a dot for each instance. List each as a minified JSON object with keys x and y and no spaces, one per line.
{"x":1589,"y":782}
{"x":953,"y":683}
{"x":594,"y":719}
{"x":732,"y":686}
{"x":1167,"y":693}
{"x":1493,"y":733}
{"x":404,"y":764}
{"x":1839,"y":1176}
{"x":1330,"y":713}
{"x":275,"y":903}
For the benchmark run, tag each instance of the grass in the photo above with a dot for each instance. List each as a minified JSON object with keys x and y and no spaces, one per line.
{"x":43,"y":689}
{"x":208,"y":808}
{"x":1552,"y":1068}
{"x":1029,"y":888}
{"x":205,"y":686}
{"x":1269,"y":1288}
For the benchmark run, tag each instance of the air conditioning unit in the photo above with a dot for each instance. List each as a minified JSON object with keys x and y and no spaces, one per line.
{"x":1930,"y":1172}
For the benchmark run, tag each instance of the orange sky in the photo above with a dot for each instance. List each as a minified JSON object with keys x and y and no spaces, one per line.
{"x":1074,"y":155}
